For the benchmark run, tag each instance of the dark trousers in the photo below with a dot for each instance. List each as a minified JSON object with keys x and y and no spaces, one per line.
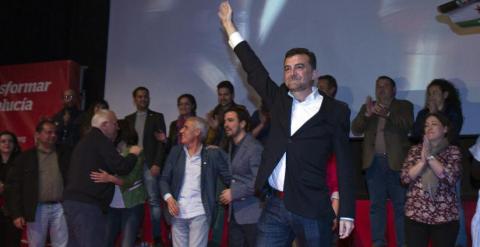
{"x":9,"y":234}
{"x":278,"y":227}
{"x":241,"y":235}
{"x":86,"y":224}
{"x":419,"y":234}
{"x":124,"y":221}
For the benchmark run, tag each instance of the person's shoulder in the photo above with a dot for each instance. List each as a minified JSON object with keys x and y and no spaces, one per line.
{"x":176,"y":149}
{"x":214,"y":151}
{"x":337,"y":106}
{"x":250,"y":141}
{"x":341,"y":104}
{"x":63,"y":149}
{"x":27,"y":153}
{"x":154,"y":113}
{"x":131,"y":115}
{"x":403,"y":102}
{"x":454,"y":149}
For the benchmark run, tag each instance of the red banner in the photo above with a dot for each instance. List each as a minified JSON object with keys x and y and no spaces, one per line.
{"x":29,"y":92}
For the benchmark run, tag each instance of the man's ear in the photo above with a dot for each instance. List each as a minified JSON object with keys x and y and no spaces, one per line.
{"x":243,"y":124}
{"x":198,"y":132}
{"x":314,"y":76}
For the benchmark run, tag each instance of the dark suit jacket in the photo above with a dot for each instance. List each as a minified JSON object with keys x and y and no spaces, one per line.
{"x":95,"y":151}
{"x":246,"y":206}
{"x":308,"y":149}
{"x":214,"y":163}
{"x":397,"y":127}
{"x":153,"y":149}
{"x":22,"y":182}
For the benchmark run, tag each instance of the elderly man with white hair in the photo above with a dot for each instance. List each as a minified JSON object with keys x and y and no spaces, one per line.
{"x":188,"y":184}
{"x":85,"y":201}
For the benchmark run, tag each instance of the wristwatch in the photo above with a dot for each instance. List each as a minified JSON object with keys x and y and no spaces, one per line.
{"x":430,"y":157}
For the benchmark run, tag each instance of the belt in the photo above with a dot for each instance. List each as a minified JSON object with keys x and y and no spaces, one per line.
{"x":50,"y":202}
{"x":279,"y":194}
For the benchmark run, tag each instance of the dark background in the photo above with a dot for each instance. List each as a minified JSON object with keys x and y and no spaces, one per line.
{"x":38,"y":31}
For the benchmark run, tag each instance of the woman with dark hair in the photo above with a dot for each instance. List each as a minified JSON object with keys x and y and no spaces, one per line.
{"x":431,"y":170}
{"x":187,"y":107}
{"x":9,"y":149}
{"x":441,"y":96}
{"x":125,"y":214}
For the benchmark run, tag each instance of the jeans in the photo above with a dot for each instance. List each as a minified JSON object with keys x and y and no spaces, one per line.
{"x":191,"y":232}
{"x":152,"y":185}
{"x":462,"y":232}
{"x":49,"y":217}
{"x":278,"y":227}
{"x":126,"y":221}
{"x":384,"y":183}
{"x":86,"y":224}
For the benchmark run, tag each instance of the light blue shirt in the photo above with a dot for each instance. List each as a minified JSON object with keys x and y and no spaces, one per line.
{"x":190,"y":197}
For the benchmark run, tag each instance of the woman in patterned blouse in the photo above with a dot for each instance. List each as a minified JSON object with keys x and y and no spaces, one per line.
{"x":430,"y":171}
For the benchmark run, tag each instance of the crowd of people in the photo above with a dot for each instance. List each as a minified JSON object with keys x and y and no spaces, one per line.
{"x":282,"y":175}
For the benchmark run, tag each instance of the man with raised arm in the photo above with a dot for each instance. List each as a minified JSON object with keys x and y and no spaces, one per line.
{"x":306,"y":128}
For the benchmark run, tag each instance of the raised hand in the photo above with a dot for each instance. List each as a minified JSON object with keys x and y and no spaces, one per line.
{"x":225,"y":15}
{"x":369,"y":106}
{"x":425,"y":149}
{"x":380,"y":109}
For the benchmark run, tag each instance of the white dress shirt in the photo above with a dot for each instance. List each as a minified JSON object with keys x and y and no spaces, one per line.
{"x":190,"y":198}
{"x":301,"y":113}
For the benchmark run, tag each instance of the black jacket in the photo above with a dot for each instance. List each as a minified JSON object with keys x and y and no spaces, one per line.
{"x":22,"y":182}
{"x":154,"y":150}
{"x":95,"y":151}
{"x":308,"y":149}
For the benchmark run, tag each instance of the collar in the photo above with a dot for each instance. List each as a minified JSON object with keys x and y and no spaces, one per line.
{"x":314,"y":95}
{"x":142,"y":113}
{"x":195,"y":154}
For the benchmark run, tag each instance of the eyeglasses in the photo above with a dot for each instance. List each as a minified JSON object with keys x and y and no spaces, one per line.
{"x":67,"y":97}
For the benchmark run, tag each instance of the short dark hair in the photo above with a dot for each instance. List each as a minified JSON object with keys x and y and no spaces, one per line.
{"x":384,"y":77}
{"x":304,"y":51}
{"x":226,"y":84}
{"x":141,"y":88}
{"x":41,"y":124}
{"x":126,"y":133}
{"x":332,"y":82}
{"x":242,"y":115}
{"x":192,"y":100}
